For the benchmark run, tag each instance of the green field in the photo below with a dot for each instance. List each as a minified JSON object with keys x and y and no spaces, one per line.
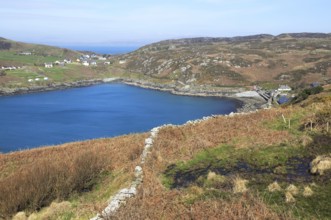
{"x":25,"y":59}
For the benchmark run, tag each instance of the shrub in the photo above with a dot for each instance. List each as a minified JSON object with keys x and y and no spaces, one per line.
{"x":37,"y":185}
{"x":307,"y":92}
{"x":2,"y":73}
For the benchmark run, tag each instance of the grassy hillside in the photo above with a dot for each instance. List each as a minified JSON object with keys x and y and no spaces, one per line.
{"x":38,"y":51}
{"x":293,"y":59}
{"x":32,"y":66}
{"x":84,"y":173}
{"x":247,"y":166}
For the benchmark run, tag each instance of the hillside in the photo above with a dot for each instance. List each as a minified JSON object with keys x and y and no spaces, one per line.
{"x":294,"y":59}
{"x":269,"y":164}
{"x":35,"y":49}
{"x":22,"y":66}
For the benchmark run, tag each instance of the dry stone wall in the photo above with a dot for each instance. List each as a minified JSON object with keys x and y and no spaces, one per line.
{"x":124,"y":194}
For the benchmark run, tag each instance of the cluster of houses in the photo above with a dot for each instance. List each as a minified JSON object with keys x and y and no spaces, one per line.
{"x":85,"y":60}
{"x":38,"y":79}
{"x":59,"y":63}
{"x":10,"y":67}
{"x":25,"y":53}
{"x":90,"y":60}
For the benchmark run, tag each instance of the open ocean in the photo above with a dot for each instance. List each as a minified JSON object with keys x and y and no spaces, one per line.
{"x":113,"y":50}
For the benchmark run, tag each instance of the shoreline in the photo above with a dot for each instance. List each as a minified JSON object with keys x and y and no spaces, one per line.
{"x":247,"y":103}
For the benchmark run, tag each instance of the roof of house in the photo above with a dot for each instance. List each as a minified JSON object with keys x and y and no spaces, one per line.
{"x":283,"y":99}
{"x":315,"y":84}
{"x":284,"y":87}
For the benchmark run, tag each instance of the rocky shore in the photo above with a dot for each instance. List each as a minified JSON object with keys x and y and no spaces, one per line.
{"x":247,"y":103}
{"x":53,"y":86}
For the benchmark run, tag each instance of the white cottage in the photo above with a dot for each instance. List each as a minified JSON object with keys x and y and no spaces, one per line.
{"x":85,"y":63}
{"x":48,"y":65}
{"x":284,"y":88}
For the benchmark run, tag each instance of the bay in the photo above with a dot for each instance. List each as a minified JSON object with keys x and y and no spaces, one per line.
{"x":113,"y":50}
{"x":107,"y":110}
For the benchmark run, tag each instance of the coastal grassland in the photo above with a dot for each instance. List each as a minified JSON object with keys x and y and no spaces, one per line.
{"x":25,"y":73}
{"x":84,"y":173}
{"x":251,"y":166}
{"x":70,"y":73}
{"x":10,"y":56}
{"x":36,"y":49}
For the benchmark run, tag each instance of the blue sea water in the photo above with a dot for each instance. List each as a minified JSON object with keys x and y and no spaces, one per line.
{"x":49,"y":118}
{"x":113,"y":50}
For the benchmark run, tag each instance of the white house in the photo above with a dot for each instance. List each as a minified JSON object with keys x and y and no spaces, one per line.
{"x":107,"y":63}
{"x":26,"y":53}
{"x":67,"y":61}
{"x":93,"y":63}
{"x":284,"y":88}
{"x":122,"y":61}
{"x":48,"y":65}
{"x":46,"y":78}
{"x":85,"y":63}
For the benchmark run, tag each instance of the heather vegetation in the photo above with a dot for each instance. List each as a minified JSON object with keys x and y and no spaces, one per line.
{"x":302,"y":58}
{"x":255,"y":164}
{"x":80,"y":172}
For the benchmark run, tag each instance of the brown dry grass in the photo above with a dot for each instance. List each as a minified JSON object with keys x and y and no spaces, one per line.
{"x":246,"y":207}
{"x":155,"y":202}
{"x":182,"y":143}
{"x":34,"y":178}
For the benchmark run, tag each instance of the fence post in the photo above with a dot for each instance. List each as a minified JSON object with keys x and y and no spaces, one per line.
{"x":284,"y":118}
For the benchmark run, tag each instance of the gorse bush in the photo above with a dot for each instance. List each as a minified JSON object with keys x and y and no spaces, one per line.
{"x":31,"y":180}
{"x":306,"y":93}
{"x":51,"y":178}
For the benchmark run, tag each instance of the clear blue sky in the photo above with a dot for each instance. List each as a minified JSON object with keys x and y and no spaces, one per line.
{"x":138,"y":22}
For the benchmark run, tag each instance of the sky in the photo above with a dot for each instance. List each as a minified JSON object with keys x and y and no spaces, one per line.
{"x":140,"y":22}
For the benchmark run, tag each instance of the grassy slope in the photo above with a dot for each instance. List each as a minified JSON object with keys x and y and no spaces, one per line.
{"x":192,"y":169}
{"x":33,"y":66}
{"x":32,"y":179}
{"x":36,"y":49}
{"x":261,"y":141}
